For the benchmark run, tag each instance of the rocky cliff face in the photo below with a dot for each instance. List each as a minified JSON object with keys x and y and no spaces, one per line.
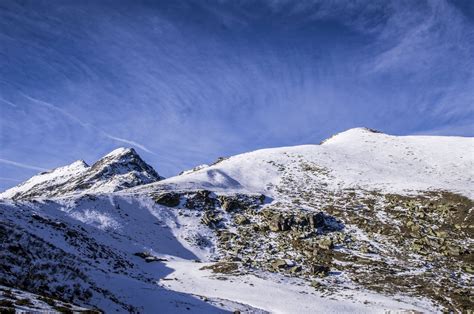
{"x":374,"y":221}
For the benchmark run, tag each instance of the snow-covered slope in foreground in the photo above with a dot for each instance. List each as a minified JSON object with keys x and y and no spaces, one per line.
{"x":121,"y":254}
{"x":357,"y":158}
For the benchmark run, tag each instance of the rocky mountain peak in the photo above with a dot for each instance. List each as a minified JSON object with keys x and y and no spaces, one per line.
{"x":121,"y":168}
{"x":79,"y":164}
{"x":122,"y":161}
{"x":122,"y":151}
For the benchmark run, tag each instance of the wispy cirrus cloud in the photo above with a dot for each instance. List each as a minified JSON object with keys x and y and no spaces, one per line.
{"x":9,"y":179}
{"x":87,"y":125}
{"x":8,"y":102}
{"x":21,"y":165}
{"x":129,"y":142}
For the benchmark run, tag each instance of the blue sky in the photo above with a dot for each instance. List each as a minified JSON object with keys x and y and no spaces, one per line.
{"x":185,"y":82}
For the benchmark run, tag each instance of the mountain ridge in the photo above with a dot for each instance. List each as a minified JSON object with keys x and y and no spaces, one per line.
{"x":357,"y":157}
{"x":121,"y":168}
{"x":352,"y":138}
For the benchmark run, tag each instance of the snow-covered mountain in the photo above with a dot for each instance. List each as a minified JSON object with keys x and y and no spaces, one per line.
{"x":121,"y":168}
{"x":363,"y":222}
{"x":358,"y":158}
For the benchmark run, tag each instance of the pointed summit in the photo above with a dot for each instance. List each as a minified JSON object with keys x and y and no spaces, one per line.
{"x":123,"y":161}
{"x":79,"y":164}
{"x":121,"y":151}
{"x":122,"y":168}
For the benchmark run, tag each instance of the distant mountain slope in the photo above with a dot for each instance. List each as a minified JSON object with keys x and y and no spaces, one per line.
{"x":53,"y":177}
{"x":357,"y":158}
{"x":121,"y":168}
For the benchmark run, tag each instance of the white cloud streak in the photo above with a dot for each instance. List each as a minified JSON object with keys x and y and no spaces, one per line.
{"x":123,"y":140}
{"x":57,"y":109}
{"x":9,"y":179}
{"x":8,"y":102}
{"x":88,"y":125}
{"x":21,"y":165}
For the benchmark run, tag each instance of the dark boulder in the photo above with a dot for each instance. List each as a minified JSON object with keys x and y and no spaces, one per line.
{"x":169,"y":199}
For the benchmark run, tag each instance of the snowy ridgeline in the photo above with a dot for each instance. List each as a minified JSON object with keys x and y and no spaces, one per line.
{"x":314,"y":228}
{"x":357,"y":158}
{"x":121,"y":168}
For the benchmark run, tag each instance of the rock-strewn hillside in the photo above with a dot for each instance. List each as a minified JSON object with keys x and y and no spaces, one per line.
{"x":26,"y":302}
{"x":363,"y":222}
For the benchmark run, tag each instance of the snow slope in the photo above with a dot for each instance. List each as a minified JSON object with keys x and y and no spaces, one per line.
{"x":50,"y":178}
{"x":277,"y":294}
{"x":357,"y":158}
{"x":103,"y":236}
{"x":90,"y":244}
{"x":26,"y":302}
